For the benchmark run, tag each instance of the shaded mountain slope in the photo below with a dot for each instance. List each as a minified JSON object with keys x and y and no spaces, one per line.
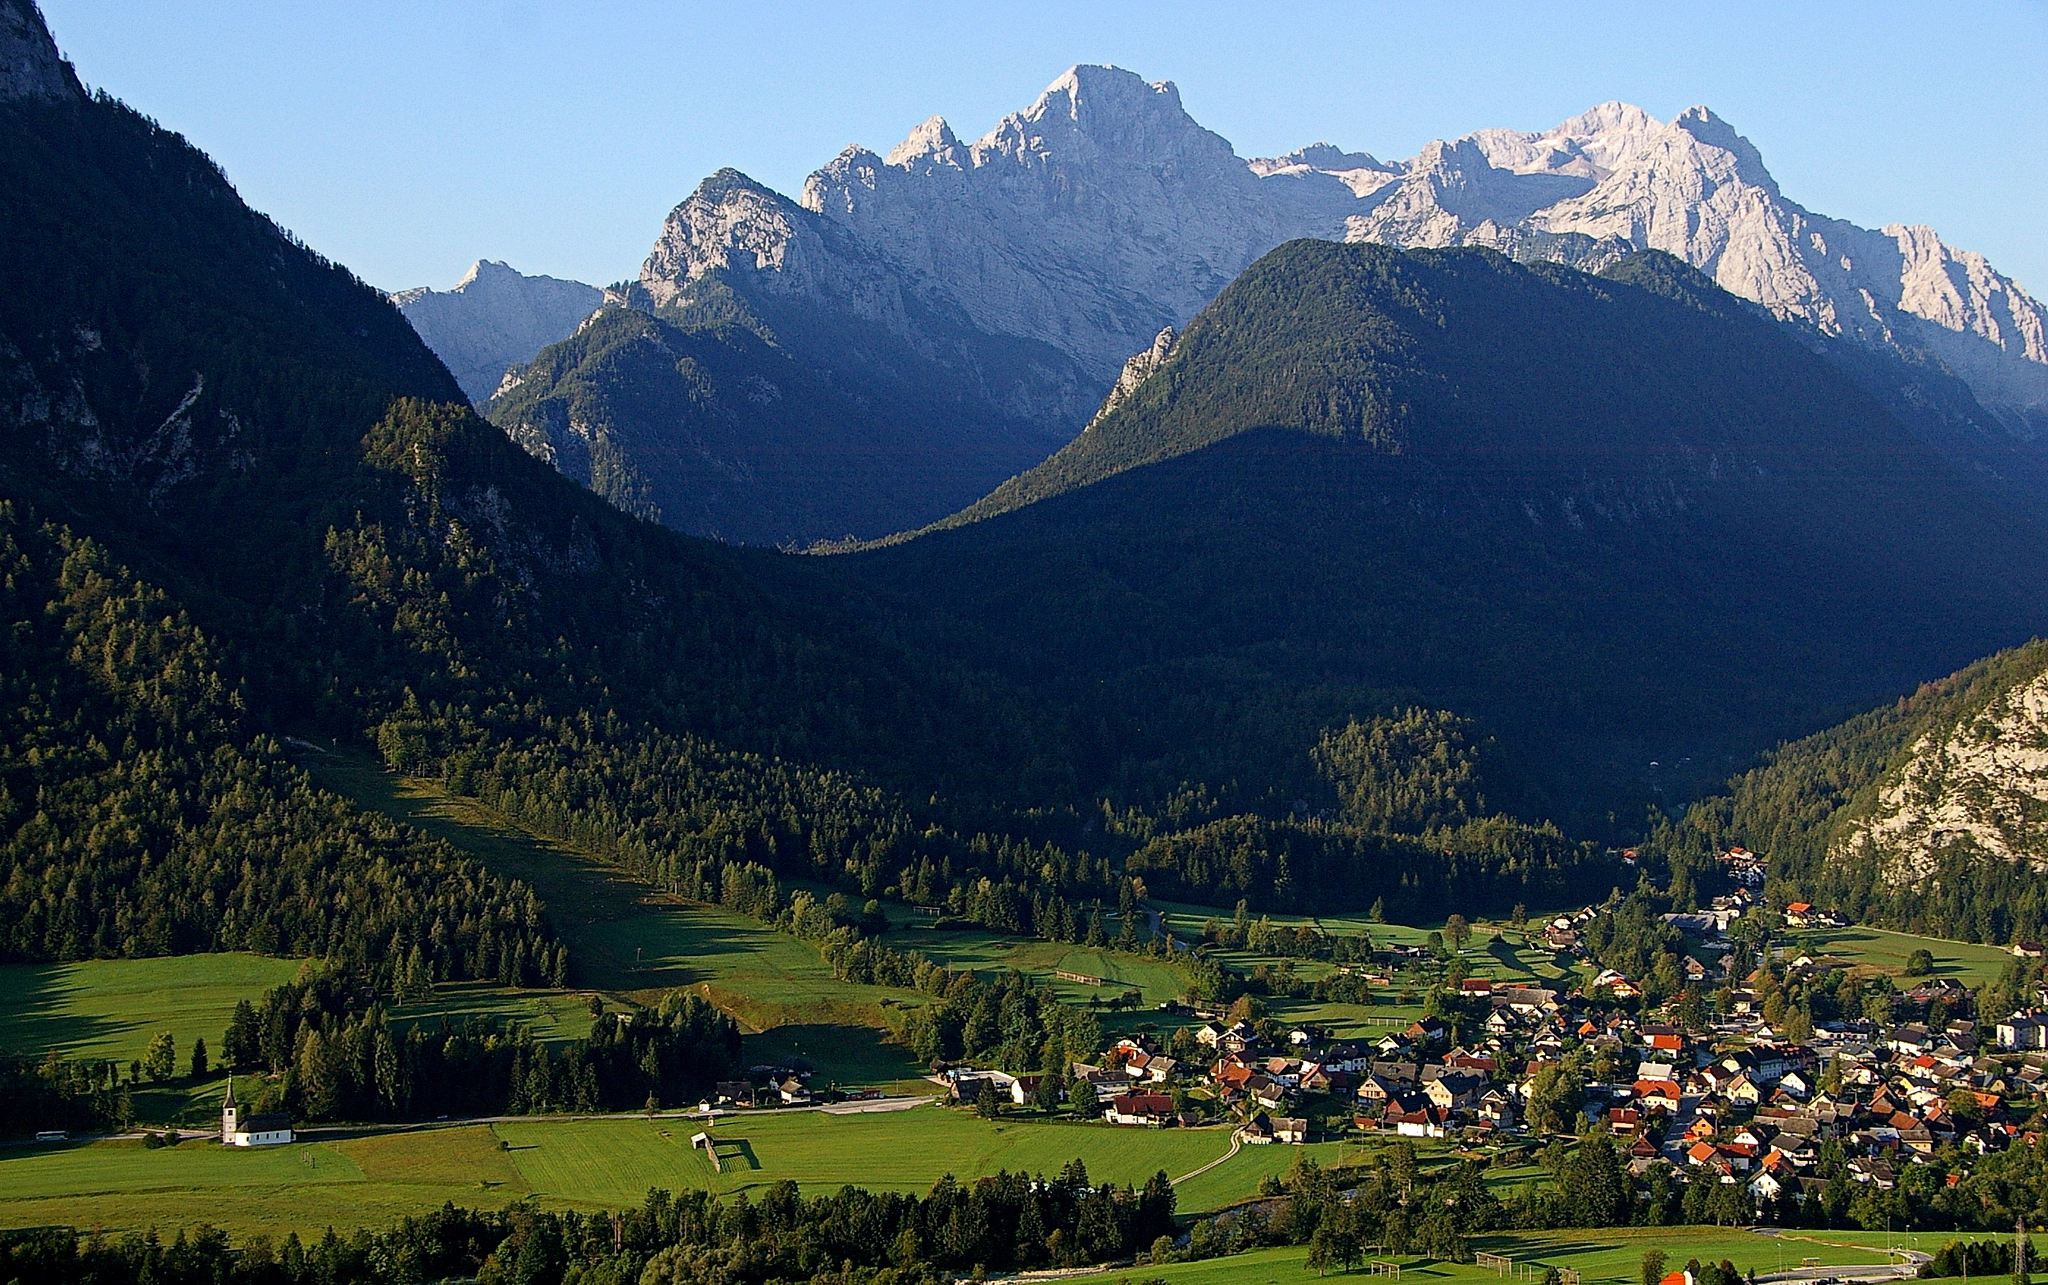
{"x":723,"y":430}
{"x":304,"y":523}
{"x":793,"y":387}
{"x":1616,"y":519}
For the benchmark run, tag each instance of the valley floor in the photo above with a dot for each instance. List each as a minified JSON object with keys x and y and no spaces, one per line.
{"x":592,"y":1163}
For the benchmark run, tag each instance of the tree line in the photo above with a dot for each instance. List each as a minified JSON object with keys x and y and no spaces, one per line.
{"x":139,"y":815}
{"x":333,"y":1053}
{"x":850,"y":1237}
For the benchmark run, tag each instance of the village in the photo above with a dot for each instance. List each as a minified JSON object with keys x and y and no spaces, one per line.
{"x":1718,"y":1094}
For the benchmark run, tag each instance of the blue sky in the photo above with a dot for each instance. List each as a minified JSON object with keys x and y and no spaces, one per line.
{"x":407,"y":139}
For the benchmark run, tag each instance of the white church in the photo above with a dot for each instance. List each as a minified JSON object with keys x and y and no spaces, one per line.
{"x":256,"y":1131}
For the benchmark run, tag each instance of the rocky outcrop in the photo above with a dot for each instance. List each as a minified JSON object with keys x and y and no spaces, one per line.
{"x":1137,"y":369}
{"x":1979,"y":782}
{"x":31,"y":69}
{"x":493,"y":319}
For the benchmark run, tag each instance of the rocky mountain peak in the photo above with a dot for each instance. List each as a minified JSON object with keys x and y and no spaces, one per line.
{"x":493,"y":319}
{"x":1103,"y":212}
{"x":1743,"y":164}
{"x":31,"y":69}
{"x":730,"y":221}
{"x":931,"y":143}
{"x":1589,"y":145}
{"x":1095,"y":113}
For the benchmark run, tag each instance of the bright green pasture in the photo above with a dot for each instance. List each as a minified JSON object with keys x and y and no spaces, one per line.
{"x":111,"y":1007}
{"x":1885,"y":951}
{"x":1599,"y":1256}
{"x":305,"y":1187}
{"x":623,"y":937}
{"x":618,"y":1160}
{"x":976,"y":949}
{"x":588,"y":1164}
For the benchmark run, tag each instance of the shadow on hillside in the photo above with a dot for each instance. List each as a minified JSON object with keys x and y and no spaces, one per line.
{"x":32,"y":1020}
{"x":849,"y":1056}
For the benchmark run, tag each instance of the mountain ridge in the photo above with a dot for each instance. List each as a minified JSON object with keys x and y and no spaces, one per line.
{"x":1444,"y":472}
{"x":986,"y":224}
{"x":493,"y":319}
{"x":1017,"y":273}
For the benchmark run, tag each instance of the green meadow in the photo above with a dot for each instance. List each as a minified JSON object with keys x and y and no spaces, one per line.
{"x":109,"y":1008}
{"x":1600,"y":1257}
{"x":305,"y":1187}
{"x":623,"y":937}
{"x":591,"y":1164}
{"x":1883,"y":951}
{"x":977,"y":949}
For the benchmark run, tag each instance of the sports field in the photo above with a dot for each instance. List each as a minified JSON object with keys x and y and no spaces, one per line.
{"x":1601,"y":1257}
{"x":617,"y":1160}
{"x":590,"y":1164}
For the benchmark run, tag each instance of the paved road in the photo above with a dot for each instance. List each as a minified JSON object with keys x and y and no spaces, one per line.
{"x":1906,"y":1268}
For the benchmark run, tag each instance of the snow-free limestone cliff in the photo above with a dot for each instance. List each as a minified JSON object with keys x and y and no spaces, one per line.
{"x":495,"y":318}
{"x":1104,"y":212}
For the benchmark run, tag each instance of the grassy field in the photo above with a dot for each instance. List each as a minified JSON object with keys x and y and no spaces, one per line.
{"x":110,"y":1007}
{"x":307,"y":1187}
{"x":624,"y":938}
{"x":588,"y":1164}
{"x":617,"y":1160}
{"x":1599,"y":1256}
{"x":552,"y":1016}
{"x":1885,"y":951}
{"x":976,"y":949}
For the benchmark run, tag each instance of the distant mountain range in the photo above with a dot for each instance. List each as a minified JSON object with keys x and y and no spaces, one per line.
{"x":1022,"y":269}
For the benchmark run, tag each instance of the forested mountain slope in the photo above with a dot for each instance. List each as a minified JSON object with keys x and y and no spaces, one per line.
{"x":238,"y":431}
{"x":1618,"y":519}
{"x":792,"y":388}
{"x":268,"y":446}
{"x":717,"y":424}
{"x":1929,"y":813}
